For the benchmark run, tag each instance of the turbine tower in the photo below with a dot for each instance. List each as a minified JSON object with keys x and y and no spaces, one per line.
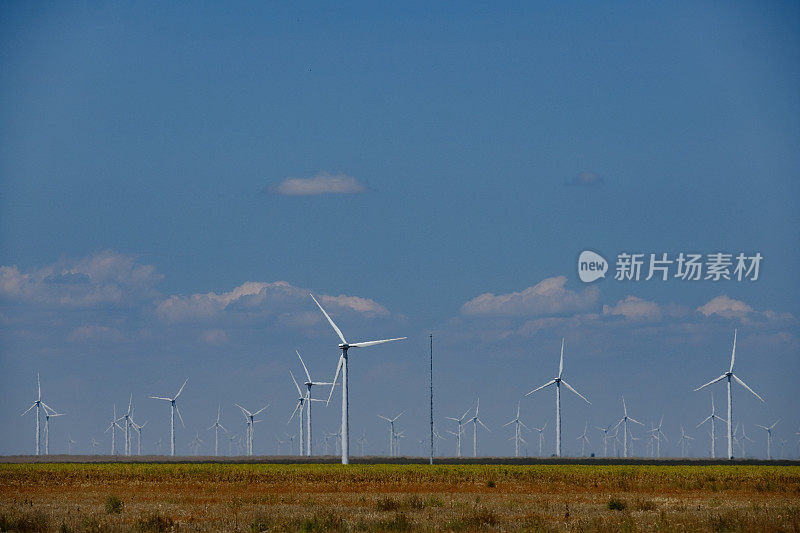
{"x":391,"y":432}
{"x":584,"y":438}
{"x":769,"y":429}
{"x":541,"y":436}
{"x":624,"y":422}
{"x":301,"y":400}
{"x":113,"y":427}
{"x":173,"y":410}
{"x":216,"y":426}
{"x":557,"y":381}
{"x":307,"y":405}
{"x":475,"y":421}
{"x":728,"y":376}
{"x":342,"y":366}
{"x":712,"y":417}
{"x":517,"y":432}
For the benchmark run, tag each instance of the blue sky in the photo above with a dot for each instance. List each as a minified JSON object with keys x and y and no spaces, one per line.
{"x":151,"y":155}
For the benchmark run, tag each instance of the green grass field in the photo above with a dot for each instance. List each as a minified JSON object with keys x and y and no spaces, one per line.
{"x":246,"y":497}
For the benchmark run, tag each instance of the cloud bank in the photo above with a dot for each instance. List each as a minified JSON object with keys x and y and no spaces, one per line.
{"x":548,"y":297}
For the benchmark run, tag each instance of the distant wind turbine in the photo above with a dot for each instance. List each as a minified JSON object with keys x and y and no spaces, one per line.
{"x":517,"y":432}
{"x":475,"y":421}
{"x":658,"y":434}
{"x":541,"y":436}
{"x":391,"y":432}
{"x":460,"y":430}
{"x":584,"y":438}
{"x":557,"y":381}
{"x":251,"y":421}
{"x":48,"y":413}
{"x":307,"y":401}
{"x":728,"y":376}
{"x":345,"y":346}
{"x":711,"y":418}
{"x":216,"y":426}
{"x":113,"y":427}
{"x":173,"y":410}
{"x":37,"y":403}
{"x":684,"y":441}
{"x":769,"y":429}
{"x":624,"y":422}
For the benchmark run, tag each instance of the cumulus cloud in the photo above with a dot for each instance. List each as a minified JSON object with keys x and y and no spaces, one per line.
{"x":547,"y":298}
{"x":634,"y":308}
{"x":585,"y":179}
{"x":105,"y":278}
{"x":322,"y":183}
{"x":278,"y":298}
{"x":725,"y":307}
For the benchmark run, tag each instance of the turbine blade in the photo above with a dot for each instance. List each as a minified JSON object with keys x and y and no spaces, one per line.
{"x":387,"y":419}
{"x":561,"y":359}
{"x":635,"y":421}
{"x":28,"y":409}
{"x":181,"y":389}
{"x":484,"y":425}
{"x":304,"y":365}
{"x":706,"y":419}
{"x":179,"y":415}
{"x":330,"y":320}
{"x":733,"y":352}
{"x":723,"y":376}
{"x":160,"y":398}
{"x":373,"y":343}
{"x":743,"y":384}
{"x":245,"y":412}
{"x":295,"y":384}
{"x":335,"y":377}
{"x":296,"y":407}
{"x":540,"y":388}
{"x":509,"y":423}
{"x":567,"y":385}
{"x":254,"y":414}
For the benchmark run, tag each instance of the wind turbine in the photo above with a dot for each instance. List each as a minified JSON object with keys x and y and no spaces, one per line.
{"x":656,"y":431}
{"x":459,"y":422}
{"x":728,"y":376}
{"x":37,"y":403}
{"x":70,"y":442}
{"x":113,"y":427}
{"x":713,"y":416}
{"x":584,"y":438}
{"x":93,"y":445}
{"x":624,"y":422}
{"x":517,"y":434}
{"x":195,"y":444}
{"x":173,"y":409}
{"x":684,"y":441}
{"x":605,"y":438}
{"x":307,"y":404}
{"x":127,"y":418}
{"x":343,"y":367}
{"x":391,"y":431}
{"x":769,"y":429}
{"x":250,"y":417}
{"x":475,"y":421}
{"x":557,"y":381}
{"x":397,"y":436}
{"x":291,"y":442}
{"x":742,"y":438}
{"x":362,"y":440}
{"x":138,"y":430}
{"x":216,"y":426}
{"x":541,"y":436}
{"x":48,"y":413}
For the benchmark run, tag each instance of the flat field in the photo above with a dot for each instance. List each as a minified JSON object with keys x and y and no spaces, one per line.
{"x":371,"y":497}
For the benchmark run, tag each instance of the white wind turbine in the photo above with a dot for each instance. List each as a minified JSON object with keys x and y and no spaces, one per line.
{"x":301,"y":400}
{"x":48,"y":413}
{"x":728,"y":376}
{"x":391,"y":432}
{"x":173,"y":410}
{"x":517,"y":432}
{"x":541,"y":436}
{"x":769,"y":429}
{"x":342,"y":365}
{"x":362,"y":440}
{"x":658,"y":434}
{"x":70,"y":442}
{"x":605,"y":438}
{"x":460,"y":430}
{"x":127,"y":418}
{"x":475,"y":421}
{"x":624,"y":422}
{"x":557,"y":381}
{"x":684,"y":441}
{"x":37,"y":403}
{"x":113,"y":427}
{"x":216,"y":426}
{"x":307,"y":405}
{"x":251,"y":421}
{"x":712,"y":417}
{"x":138,"y":428}
{"x":584,"y":438}
{"x":93,"y":445}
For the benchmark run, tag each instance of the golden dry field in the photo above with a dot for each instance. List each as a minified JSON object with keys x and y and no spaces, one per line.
{"x":314,"y":497}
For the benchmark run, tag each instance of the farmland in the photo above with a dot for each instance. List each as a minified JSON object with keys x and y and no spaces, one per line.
{"x":373,"y":497}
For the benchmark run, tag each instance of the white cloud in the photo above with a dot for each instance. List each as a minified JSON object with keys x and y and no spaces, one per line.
{"x":725,"y":307}
{"x":214,"y":336}
{"x":322,"y":183}
{"x":100,"y":279}
{"x":278,"y":298}
{"x":546,"y":298}
{"x":634,"y":308}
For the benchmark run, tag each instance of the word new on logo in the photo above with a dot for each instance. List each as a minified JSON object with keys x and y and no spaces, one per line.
{"x":591,"y":266}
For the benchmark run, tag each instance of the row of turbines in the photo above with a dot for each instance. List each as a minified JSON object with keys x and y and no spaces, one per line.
{"x":303,"y":411}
